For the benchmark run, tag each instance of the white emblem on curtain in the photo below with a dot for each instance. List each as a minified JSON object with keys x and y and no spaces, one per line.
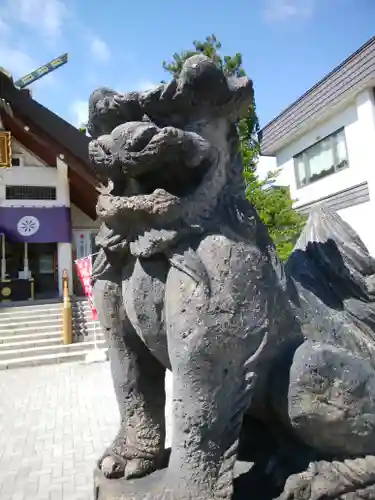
{"x":28,"y":225}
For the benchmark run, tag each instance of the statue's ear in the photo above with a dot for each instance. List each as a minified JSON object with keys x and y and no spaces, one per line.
{"x":241,"y":93}
{"x":201,"y":89}
{"x":203,"y":85}
{"x":158,"y":104}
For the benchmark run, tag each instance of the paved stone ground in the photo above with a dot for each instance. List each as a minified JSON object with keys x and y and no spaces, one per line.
{"x":54,"y":423}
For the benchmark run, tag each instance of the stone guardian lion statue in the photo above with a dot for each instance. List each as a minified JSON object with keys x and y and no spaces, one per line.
{"x":188,"y":279}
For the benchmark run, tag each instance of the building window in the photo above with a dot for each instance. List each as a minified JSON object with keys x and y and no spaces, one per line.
{"x":17,"y":161}
{"x":30,"y":193}
{"x":323,"y":158}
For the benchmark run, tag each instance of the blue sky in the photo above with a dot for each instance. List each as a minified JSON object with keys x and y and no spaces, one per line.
{"x":287,"y":45}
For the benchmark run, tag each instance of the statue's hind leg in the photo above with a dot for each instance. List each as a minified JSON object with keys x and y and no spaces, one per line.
{"x":331,"y":400}
{"x":332,"y":409}
{"x":138,"y":380}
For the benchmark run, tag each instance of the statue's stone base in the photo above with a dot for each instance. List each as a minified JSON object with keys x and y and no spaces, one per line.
{"x":246,"y":481}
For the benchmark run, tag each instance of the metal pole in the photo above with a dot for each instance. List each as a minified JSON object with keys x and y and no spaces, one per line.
{"x":67,"y":310}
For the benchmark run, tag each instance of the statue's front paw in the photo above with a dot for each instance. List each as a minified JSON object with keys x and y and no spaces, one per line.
{"x":114,"y":467}
{"x":130,"y":456}
{"x":121,"y":460}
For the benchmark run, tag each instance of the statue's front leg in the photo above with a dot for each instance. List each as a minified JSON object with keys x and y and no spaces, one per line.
{"x":211,"y":391}
{"x":139,"y":442}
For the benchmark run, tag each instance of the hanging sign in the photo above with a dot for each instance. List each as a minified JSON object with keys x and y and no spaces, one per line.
{"x":84,"y":270}
{"x":42,"y":71}
{"x":5,"y":149}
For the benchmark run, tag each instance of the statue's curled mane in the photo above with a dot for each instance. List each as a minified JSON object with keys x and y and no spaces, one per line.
{"x":161,"y":154}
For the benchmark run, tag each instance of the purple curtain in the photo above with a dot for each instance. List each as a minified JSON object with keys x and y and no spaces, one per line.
{"x":36,"y":225}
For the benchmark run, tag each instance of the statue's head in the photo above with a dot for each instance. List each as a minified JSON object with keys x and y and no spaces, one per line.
{"x":169,"y":153}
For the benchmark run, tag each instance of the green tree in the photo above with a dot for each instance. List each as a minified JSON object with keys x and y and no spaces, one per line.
{"x":83,"y":128}
{"x":248,"y":126}
{"x":275,"y":207}
{"x":274,"y":204}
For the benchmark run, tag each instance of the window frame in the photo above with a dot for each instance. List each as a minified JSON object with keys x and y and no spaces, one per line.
{"x":298,"y":157}
{"x":14,"y":187}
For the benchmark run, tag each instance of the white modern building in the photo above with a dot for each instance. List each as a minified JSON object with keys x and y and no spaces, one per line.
{"x":324,"y":143}
{"x":47,"y":198}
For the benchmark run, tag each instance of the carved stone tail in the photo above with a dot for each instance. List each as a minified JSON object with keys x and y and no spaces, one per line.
{"x":349,"y":480}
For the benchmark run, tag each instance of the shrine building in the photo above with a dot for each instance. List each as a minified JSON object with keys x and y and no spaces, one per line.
{"x":47,"y":198}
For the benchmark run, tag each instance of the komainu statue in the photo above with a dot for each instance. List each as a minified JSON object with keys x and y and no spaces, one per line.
{"x":270,"y":365}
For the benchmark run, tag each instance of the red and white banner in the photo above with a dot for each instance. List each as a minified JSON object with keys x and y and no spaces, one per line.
{"x":84,"y":270}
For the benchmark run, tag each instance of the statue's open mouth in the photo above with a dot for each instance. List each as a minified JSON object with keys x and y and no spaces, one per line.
{"x":149,"y":158}
{"x":174,"y":179}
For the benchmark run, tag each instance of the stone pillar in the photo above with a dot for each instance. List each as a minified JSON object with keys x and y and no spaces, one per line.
{"x":62,"y":189}
{"x":26,"y":269}
{"x":366,"y":118}
{"x":64,"y":250}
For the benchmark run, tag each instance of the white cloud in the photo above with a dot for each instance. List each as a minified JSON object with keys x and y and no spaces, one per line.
{"x":12,"y":56}
{"x":25,"y":23}
{"x":46,"y":17}
{"x":281,"y":10}
{"x":100,"y":50}
{"x":4,"y":28}
{"x":42,"y":18}
{"x":145,"y":85}
{"x":16,"y":61}
{"x":79,"y":111}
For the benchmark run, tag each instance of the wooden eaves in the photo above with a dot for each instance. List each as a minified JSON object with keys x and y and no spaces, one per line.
{"x":49,"y":136}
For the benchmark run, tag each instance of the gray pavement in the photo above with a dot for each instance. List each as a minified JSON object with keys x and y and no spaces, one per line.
{"x":54,"y":423}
